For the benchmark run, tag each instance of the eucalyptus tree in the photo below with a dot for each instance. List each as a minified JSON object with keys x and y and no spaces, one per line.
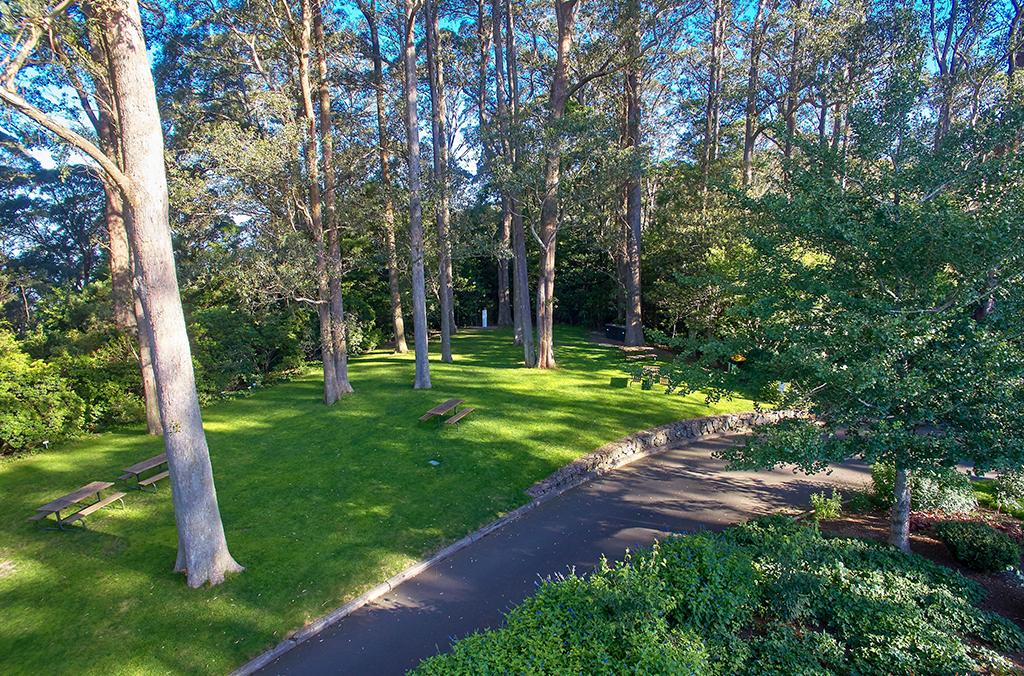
{"x":412,"y":132}
{"x":140,"y":174}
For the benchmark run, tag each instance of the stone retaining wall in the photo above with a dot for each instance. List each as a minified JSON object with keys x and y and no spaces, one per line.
{"x":648,"y":442}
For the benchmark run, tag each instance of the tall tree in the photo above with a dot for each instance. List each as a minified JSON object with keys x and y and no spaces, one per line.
{"x":369,"y":10}
{"x":565,"y":17}
{"x":202,"y":548}
{"x":631,"y":142}
{"x":412,"y":131}
{"x":439,"y":138}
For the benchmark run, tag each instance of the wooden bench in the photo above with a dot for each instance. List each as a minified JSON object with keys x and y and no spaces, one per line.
{"x":138,"y":469}
{"x":74,"y":498}
{"x":454,"y":420}
{"x":441,"y":409}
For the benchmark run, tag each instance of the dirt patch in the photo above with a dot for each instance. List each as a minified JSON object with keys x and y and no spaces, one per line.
{"x":1005,"y":596}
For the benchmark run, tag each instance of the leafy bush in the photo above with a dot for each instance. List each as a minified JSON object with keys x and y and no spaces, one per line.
{"x":825,"y":506}
{"x":979,"y":546}
{"x":108,"y":382}
{"x":36,"y":403}
{"x":944,"y":490}
{"x":770,"y":596}
{"x":1009,"y":491}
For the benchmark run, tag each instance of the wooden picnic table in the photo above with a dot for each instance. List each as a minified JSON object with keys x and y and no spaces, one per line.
{"x":140,"y":468}
{"x":74,"y":498}
{"x":441,"y":409}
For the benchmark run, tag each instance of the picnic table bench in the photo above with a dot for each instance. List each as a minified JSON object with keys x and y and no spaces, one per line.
{"x":140,"y":468}
{"x":75,"y":498}
{"x":443,"y":409}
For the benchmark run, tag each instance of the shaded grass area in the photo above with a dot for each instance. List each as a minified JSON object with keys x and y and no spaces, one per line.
{"x":318,"y":503}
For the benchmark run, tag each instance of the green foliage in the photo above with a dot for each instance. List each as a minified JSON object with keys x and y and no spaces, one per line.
{"x":108,"y":381}
{"x":235,"y":350}
{"x":827,"y":507}
{"x":36,"y":403}
{"x":1009,"y":491}
{"x":768,"y":596}
{"x":943,"y":489}
{"x":978,"y":545}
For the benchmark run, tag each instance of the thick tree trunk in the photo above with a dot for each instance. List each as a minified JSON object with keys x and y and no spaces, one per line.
{"x":202,"y":548}
{"x":439,"y":138}
{"x":522,"y":311}
{"x":397,"y":322}
{"x":412,"y":132}
{"x":899,"y":532}
{"x":565,"y":13}
{"x":339,"y":331}
{"x":120,"y":259}
{"x":634,"y":312}
{"x":505,"y":245}
{"x":332,"y":388}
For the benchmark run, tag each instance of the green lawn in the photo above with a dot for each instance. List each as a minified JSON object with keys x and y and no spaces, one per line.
{"x":318,"y":503}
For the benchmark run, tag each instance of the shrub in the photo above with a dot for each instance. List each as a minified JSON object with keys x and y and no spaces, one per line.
{"x":979,"y":546}
{"x":36,"y":403}
{"x":826,"y":507}
{"x":1009,"y":491}
{"x":945,"y":490}
{"x":771,"y":596}
{"x":108,"y":382}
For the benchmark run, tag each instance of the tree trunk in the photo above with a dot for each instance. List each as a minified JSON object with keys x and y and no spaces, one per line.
{"x":565,"y":13}
{"x":332,"y":388}
{"x":202,"y":548}
{"x":634,"y":318}
{"x":899,"y":533}
{"x":753,"y":85}
{"x":149,"y":388}
{"x":505,"y":228}
{"x":793,"y":84}
{"x":412,"y":132}
{"x":523,"y":312}
{"x":339,"y":331}
{"x":439,"y":138}
{"x":504,"y":246}
{"x":397,"y":322}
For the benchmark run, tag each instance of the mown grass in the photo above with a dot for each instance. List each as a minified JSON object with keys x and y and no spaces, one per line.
{"x":319,"y":503}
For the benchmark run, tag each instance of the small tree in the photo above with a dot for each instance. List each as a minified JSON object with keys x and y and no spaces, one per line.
{"x":880,"y":294}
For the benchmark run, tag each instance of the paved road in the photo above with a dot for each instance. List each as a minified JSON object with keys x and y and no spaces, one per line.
{"x":682,"y":490}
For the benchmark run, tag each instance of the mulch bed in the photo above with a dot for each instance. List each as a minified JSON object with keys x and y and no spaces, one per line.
{"x":1005,"y":594}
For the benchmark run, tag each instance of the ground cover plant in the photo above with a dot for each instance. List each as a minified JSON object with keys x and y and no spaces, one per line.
{"x":978,"y":545}
{"x":772,"y":596}
{"x":318,"y":504}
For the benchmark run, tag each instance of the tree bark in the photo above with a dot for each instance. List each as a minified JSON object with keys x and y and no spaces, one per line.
{"x":565,"y":14}
{"x":899,"y":532}
{"x":397,"y":322}
{"x":792,"y":102}
{"x":713,"y":104}
{"x":332,"y":389}
{"x":412,"y":126}
{"x":505,"y":317}
{"x":339,"y":331}
{"x":439,"y":138}
{"x":634,"y":311}
{"x":520,"y":269}
{"x":202,"y":548}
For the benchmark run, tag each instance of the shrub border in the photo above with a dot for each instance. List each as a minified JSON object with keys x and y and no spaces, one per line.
{"x":606,"y":458}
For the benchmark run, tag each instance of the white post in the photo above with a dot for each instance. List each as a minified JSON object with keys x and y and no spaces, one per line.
{"x":484,"y":321}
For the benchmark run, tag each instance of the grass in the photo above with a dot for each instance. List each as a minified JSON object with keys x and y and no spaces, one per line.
{"x":318,"y":503}
{"x":985,"y":492}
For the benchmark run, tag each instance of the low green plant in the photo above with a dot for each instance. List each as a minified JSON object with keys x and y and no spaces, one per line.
{"x":1009,"y":491}
{"x":772,"y":596}
{"x":979,"y":546}
{"x":826,"y":506}
{"x":946,"y":490}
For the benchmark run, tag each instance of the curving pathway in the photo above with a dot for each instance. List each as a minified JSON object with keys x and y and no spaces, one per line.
{"x":683,"y":489}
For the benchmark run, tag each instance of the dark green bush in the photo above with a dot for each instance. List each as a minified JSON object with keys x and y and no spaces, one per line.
{"x":979,"y":546}
{"x":36,"y":403}
{"x":767,"y":597}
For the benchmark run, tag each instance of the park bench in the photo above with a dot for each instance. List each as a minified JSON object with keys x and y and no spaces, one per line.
{"x":75,"y":499}
{"x":441,"y":411}
{"x":138,"y":469}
